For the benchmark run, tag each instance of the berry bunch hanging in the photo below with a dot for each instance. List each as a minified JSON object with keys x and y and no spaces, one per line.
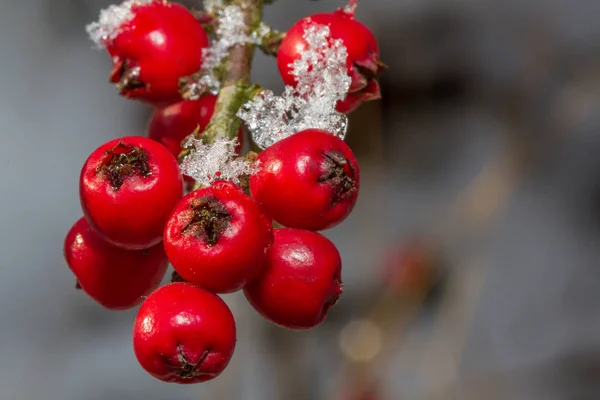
{"x":219,"y":237}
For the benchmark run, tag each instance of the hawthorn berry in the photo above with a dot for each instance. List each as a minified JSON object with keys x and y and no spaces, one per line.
{"x":217,"y":237}
{"x":300,"y":281}
{"x":115,"y":278}
{"x":161,"y":43}
{"x":363,"y":61}
{"x":184,"y":334}
{"x":128,"y":188}
{"x":309,"y":180}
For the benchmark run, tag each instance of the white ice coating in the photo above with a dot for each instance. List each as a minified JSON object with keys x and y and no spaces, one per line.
{"x":231,"y":31}
{"x":260,"y":33}
{"x":111,"y":20}
{"x":323,"y":80}
{"x":212,"y":6}
{"x":210,"y":162}
{"x":351,"y":7}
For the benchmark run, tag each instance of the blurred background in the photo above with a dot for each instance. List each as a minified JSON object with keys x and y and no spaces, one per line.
{"x":470,"y":262}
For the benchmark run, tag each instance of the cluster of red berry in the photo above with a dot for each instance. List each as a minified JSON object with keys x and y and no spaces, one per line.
{"x":219,"y":238}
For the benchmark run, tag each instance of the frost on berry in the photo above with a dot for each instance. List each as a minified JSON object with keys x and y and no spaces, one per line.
{"x":231,"y":31}
{"x":351,"y":7}
{"x":210,"y":162}
{"x":323,"y":80}
{"x":111,"y":20}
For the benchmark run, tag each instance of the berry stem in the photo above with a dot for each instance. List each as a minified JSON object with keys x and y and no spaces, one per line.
{"x":271,"y":42}
{"x":236,"y":88}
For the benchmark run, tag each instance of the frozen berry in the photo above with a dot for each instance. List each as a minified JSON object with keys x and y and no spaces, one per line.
{"x":309,"y":180}
{"x":128,"y":188}
{"x":152,"y":44}
{"x":217,"y":237}
{"x":114,"y":277}
{"x":184,"y":334}
{"x":363,"y":54}
{"x":300,"y":281}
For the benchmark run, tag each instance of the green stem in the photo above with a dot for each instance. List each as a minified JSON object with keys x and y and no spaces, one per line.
{"x":236,"y":89}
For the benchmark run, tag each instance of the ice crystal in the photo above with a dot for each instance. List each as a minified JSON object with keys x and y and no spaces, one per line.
{"x":212,"y":6}
{"x":111,"y":20}
{"x":351,"y":7}
{"x":209,"y":162}
{"x":259,"y":34}
{"x":231,"y":31}
{"x":323,"y":80}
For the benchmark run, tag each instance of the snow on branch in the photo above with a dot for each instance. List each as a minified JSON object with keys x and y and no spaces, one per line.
{"x":210,"y":162}
{"x":323,"y":80}
{"x":231,"y":31}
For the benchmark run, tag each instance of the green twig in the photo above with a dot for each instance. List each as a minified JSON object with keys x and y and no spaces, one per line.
{"x":236,"y":89}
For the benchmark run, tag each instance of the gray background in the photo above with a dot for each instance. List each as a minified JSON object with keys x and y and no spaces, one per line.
{"x":520,"y":317}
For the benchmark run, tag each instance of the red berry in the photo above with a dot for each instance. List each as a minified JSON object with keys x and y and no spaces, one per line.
{"x":363,"y":54}
{"x":309,"y":180}
{"x":172,"y":124}
{"x":162,"y":43}
{"x":300,"y":281}
{"x":184,"y":334}
{"x":114,"y":277}
{"x":217,"y":237}
{"x":128,"y":188}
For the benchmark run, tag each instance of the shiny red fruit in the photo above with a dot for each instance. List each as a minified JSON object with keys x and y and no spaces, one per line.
{"x":172,"y":124}
{"x":128,"y":187}
{"x":309,"y":180}
{"x":217,"y":237}
{"x":184,"y":334}
{"x":363,"y":60}
{"x":300,"y":281}
{"x":162,"y":43}
{"x":114,"y":277}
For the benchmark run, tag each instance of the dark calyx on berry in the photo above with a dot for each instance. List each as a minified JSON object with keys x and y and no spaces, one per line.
{"x":188,"y":369}
{"x":339,"y":173}
{"x":368,"y":73}
{"x":123,"y":161}
{"x":126,"y":77}
{"x":335,"y":296}
{"x":209,"y":219}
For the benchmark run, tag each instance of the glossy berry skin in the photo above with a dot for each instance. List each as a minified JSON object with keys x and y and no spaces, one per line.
{"x":162,"y":43}
{"x":363,"y":61}
{"x":309,"y":180}
{"x":184,"y":334}
{"x":128,"y":188}
{"x":115,"y":278}
{"x":217,"y":237}
{"x":172,"y":124}
{"x":300,"y":281}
